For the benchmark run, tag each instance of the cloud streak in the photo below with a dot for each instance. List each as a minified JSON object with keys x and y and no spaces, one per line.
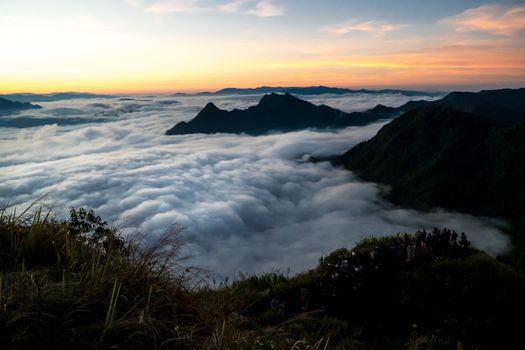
{"x":266,"y":8}
{"x":497,"y":19}
{"x":377,"y":28}
{"x":174,"y":6}
{"x":262,"y":8}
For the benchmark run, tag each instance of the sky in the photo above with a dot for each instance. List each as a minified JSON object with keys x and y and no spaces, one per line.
{"x":142,"y":46}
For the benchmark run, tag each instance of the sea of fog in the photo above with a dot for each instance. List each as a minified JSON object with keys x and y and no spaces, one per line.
{"x":246,"y":204}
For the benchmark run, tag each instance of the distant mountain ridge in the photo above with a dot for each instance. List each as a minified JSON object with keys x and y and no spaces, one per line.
{"x":55,"y":96}
{"x":505,"y":105}
{"x":274,"y":112}
{"x":28,"y":122}
{"x":308,"y":90}
{"x":9,"y":106}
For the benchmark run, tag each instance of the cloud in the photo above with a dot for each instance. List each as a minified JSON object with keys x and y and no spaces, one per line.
{"x":174,"y":6}
{"x":234,"y":6}
{"x":498,"y":19}
{"x":264,"y":8}
{"x":377,"y":28}
{"x":249,"y":204}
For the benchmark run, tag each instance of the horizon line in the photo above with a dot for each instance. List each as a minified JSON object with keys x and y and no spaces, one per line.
{"x":433,"y":89}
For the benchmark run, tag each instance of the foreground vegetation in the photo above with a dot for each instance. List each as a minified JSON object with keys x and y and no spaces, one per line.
{"x":79,"y":284}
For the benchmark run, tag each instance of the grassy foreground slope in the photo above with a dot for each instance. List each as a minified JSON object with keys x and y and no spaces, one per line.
{"x":79,"y":284}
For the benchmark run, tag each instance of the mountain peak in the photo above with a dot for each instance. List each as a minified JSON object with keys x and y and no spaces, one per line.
{"x":274,"y":99}
{"x":210,"y":107}
{"x":382,"y":109}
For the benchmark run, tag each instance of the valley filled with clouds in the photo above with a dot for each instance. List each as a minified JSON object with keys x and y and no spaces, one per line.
{"x":245,"y":204}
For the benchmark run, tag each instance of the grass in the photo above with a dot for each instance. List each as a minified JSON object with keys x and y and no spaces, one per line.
{"x":79,"y":284}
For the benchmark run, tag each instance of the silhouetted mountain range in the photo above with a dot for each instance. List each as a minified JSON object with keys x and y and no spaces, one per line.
{"x":8,"y":106}
{"x":277,"y":112}
{"x":274,"y":112}
{"x":505,"y":105}
{"x":309,"y":90}
{"x":56,"y":96}
{"x":436,"y":156}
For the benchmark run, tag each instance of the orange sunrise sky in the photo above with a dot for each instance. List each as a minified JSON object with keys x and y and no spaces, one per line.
{"x":130,"y":46}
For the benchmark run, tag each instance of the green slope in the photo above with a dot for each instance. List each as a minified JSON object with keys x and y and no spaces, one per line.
{"x":440,"y":157}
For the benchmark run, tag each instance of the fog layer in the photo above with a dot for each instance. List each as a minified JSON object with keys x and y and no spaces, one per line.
{"x":248,"y":204}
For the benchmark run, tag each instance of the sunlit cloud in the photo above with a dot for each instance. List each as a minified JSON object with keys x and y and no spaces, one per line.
{"x":373,"y":27}
{"x":502,"y":20}
{"x":234,"y":6}
{"x":264,"y":8}
{"x":174,"y":6}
